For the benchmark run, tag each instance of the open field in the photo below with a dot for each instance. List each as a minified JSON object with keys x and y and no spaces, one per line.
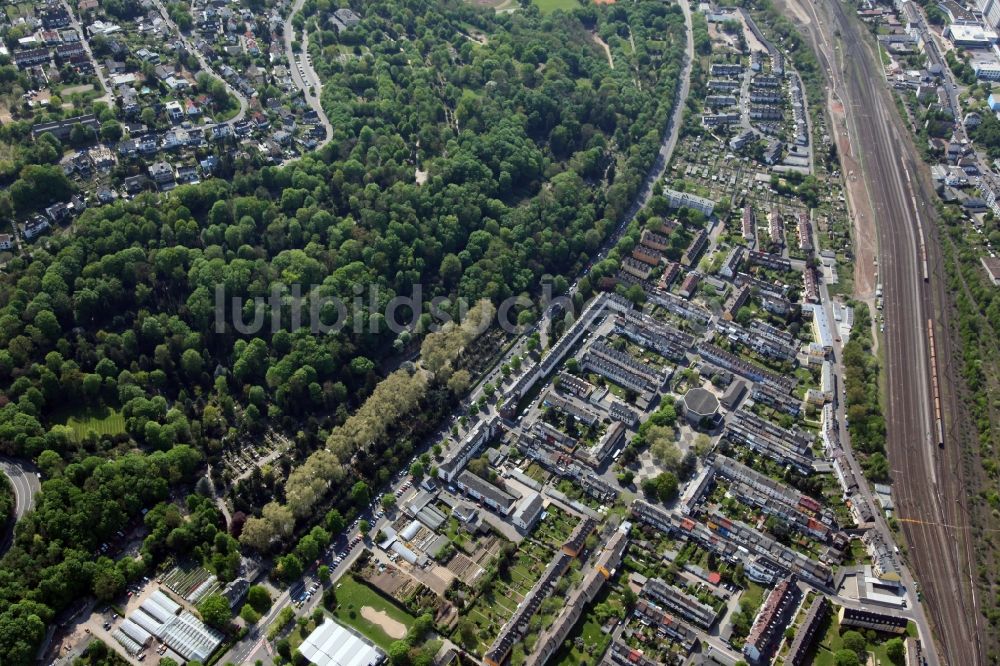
{"x":549,"y":6}
{"x":354,"y":596}
{"x":101,"y":422}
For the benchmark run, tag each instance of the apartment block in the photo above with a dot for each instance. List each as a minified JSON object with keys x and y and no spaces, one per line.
{"x":680,"y":307}
{"x":748,"y":224}
{"x":783,"y":402}
{"x":769,"y":625}
{"x":726,"y":69}
{"x":681,"y":603}
{"x":571,"y":407}
{"x":737,"y":365}
{"x":697,"y":246}
{"x":679,"y":199}
{"x":774,"y":262}
{"x":620,"y":368}
{"x":654,"y":335}
{"x":807,"y":632}
{"x":666,"y":625}
{"x":784,"y":446}
{"x":884,"y":622}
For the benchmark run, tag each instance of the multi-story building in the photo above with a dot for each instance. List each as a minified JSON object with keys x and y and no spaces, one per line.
{"x":805,"y":232}
{"x":492,"y":496}
{"x":808,"y":630}
{"x":685,"y":605}
{"x":726,"y":69}
{"x":884,"y":563}
{"x":654,"y":335}
{"x":719,"y":120}
{"x":456,"y":459}
{"x":666,"y":625}
{"x":639,"y":269}
{"x":647,"y":255}
{"x":770,"y":623}
{"x":679,"y":199}
{"x":570,"y":407}
{"x":655,"y":240}
{"x":783,"y":446}
{"x":690,"y":284}
{"x":680,"y":307}
{"x":732,"y":263}
{"x":773,"y":261}
{"x":735,"y":364}
{"x":697,"y":246}
{"x":623,"y":369}
{"x":551,"y":640}
{"x":749,"y":225}
{"x":863,"y":618}
{"x":779,"y":400}
{"x":613,"y":437}
{"x":720,"y":101}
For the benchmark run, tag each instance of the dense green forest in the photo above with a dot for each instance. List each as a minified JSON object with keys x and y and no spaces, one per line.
{"x":534,"y":147}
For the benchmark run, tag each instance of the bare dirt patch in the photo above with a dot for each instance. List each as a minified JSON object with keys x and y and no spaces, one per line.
{"x":392,"y":628}
{"x":596,"y":39}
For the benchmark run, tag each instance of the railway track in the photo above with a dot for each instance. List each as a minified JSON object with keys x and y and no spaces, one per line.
{"x":921,"y":409}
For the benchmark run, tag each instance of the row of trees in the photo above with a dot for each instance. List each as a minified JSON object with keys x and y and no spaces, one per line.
{"x":864,"y":410}
{"x":534,"y":147}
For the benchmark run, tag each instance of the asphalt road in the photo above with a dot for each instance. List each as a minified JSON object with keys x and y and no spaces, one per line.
{"x":305,"y":79}
{"x":205,"y":65}
{"x":108,"y":96}
{"x":928,"y":481}
{"x":24,"y":479}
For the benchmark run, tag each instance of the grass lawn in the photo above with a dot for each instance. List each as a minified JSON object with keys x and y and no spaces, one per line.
{"x":352,"y":596}
{"x":754,"y":593}
{"x":832,"y":642}
{"x":298,"y":634}
{"x":595,"y":642}
{"x":104,"y":421}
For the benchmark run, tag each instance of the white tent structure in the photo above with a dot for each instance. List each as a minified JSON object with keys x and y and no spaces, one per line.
{"x":332,"y":644}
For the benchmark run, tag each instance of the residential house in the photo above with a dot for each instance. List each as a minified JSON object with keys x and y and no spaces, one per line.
{"x":59,"y":213}
{"x":34,"y":227}
{"x":30,"y":57}
{"x":161,"y":173}
{"x":135,"y":184}
{"x":174,"y":111}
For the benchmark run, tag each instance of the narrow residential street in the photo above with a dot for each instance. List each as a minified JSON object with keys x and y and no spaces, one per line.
{"x":303,"y":74}
{"x":206,"y":67}
{"x":108,"y":97}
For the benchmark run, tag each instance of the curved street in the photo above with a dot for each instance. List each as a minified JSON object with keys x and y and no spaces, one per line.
{"x":205,"y":66}
{"x":24,"y":480}
{"x":303,"y":74}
